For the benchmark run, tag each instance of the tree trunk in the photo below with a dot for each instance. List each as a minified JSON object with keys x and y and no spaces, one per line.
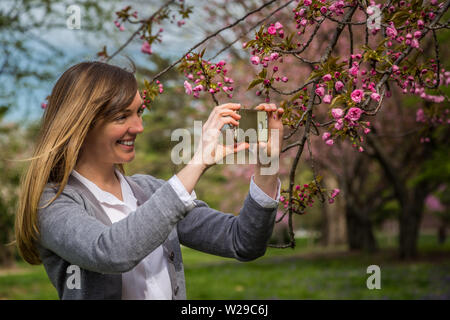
{"x":442,"y":233}
{"x":410,"y":219}
{"x":359,"y":230}
{"x":6,"y":256}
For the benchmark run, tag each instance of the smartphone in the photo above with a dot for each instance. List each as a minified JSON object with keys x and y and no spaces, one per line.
{"x":250,"y":119}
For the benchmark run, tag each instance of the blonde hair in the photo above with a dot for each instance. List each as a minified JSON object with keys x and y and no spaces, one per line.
{"x":83,"y":95}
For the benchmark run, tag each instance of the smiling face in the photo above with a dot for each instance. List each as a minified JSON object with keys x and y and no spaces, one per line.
{"x":112,"y":142}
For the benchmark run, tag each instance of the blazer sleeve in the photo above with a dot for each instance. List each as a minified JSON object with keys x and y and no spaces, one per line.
{"x":243,"y":237}
{"x":68,"y":230}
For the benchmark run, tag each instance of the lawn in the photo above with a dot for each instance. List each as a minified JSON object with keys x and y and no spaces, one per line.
{"x":308,"y":272}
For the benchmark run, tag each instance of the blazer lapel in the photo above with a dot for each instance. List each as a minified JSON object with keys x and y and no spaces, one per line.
{"x":99,"y":213}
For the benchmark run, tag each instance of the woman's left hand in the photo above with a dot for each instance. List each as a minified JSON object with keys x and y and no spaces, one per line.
{"x":274,"y":115}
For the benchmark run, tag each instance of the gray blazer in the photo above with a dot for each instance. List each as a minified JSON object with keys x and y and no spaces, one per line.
{"x":75,"y":231}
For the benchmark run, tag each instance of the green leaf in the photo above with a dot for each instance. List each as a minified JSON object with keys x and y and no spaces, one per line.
{"x":337,"y":100}
{"x":254,"y":83}
{"x":263,"y":73}
{"x":3,"y":111}
{"x":313,"y":75}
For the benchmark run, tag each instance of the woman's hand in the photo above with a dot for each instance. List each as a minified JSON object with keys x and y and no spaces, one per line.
{"x":210,"y":151}
{"x":272,"y":148}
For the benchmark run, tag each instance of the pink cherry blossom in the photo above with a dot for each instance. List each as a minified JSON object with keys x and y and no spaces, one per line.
{"x":329,"y":142}
{"x":198,"y":88}
{"x":146,"y":48}
{"x":326,"y":77}
{"x":326,"y":136}
{"x":320,"y":91}
{"x":415,"y":43}
{"x":375,"y":96}
{"x":278,"y":25}
{"x":187,"y":87}
{"x":274,"y":56}
{"x":433,"y":203}
{"x":391,"y":32}
{"x":338,"y":86}
{"x":272,"y":30}
{"x":307,"y":2}
{"x":335,"y":193}
{"x":327,"y":98}
{"x":339,"y":124}
{"x":337,"y":113}
{"x":420,"y":116}
{"x":357,"y":95}
{"x":420,"y":24}
{"x":354,"y":69}
{"x":354,"y":114}
{"x":255,"y":60}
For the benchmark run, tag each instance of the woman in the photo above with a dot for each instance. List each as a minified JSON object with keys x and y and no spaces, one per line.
{"x":103,"y":235}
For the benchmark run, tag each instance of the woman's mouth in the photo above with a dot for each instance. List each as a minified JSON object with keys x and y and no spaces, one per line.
{"x":127,"y":145}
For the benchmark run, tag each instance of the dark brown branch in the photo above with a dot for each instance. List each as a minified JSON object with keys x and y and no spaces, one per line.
{"x":251,"y":28}
{"x":210,"y":37}
{"x":316,"y":29}
{"x":168,"y":3}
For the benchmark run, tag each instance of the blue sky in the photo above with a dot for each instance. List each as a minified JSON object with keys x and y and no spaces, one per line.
{"x":79,"y":45}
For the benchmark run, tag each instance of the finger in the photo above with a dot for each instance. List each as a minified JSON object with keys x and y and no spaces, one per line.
{"x":226,"y":114}
{"x":268,"y":107}
{"x":220,"y":108}
{"x":232,"y":106}
{"x":225,"y":120}
{"x":241,"y":146}
{"x":230,"y":113}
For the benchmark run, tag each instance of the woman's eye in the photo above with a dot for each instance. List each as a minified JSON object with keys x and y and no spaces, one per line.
{"x":140,"y":111}
{"x":121,"y":118}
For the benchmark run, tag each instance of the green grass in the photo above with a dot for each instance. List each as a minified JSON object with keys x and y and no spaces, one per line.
{"x":308,"y":272}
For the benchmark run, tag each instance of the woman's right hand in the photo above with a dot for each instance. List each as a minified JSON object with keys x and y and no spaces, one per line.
{"x":211,"y":151}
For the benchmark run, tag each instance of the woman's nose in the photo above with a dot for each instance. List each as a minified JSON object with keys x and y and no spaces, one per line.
{"x":137,"y":126}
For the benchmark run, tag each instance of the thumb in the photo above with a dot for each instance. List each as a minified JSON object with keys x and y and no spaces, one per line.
{"x":241,"y":146}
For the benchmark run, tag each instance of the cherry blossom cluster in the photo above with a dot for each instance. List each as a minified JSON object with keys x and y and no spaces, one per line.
{"x":262,"y":56}
{"x":205,"y":76}
{"x":303,"y":196}
{"x":307,"y":11}
{"x":354,"y":87}
{"x":150,"y":92}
